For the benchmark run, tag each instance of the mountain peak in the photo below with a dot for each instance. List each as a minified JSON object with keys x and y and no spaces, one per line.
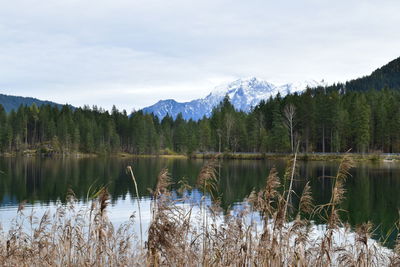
{"x":244,"y":85}
{"x":243,"y":93}
{"x":166,"y":101}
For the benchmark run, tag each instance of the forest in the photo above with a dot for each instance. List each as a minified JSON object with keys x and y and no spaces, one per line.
{"x":319,"y":120}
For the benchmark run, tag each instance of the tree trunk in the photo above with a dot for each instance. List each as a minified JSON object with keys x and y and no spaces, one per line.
{"x":323,"y":138}
{"x":307,"y":137}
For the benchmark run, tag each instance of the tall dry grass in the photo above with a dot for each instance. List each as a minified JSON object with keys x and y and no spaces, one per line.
{"x":269,"y":230}
{"x":69,"y":237}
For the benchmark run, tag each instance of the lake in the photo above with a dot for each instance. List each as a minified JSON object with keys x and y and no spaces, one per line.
{"x":372,"y":190}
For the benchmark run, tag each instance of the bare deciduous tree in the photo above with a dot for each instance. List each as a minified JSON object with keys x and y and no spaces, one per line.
{"x":289,"y":112}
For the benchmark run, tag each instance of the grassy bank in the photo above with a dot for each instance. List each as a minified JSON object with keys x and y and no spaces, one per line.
{"x":210,"y":155}
{"x":38,"y":153}
{"x":301,"y":156}
{"x":171,"y":156}
{"x":199,"y":234}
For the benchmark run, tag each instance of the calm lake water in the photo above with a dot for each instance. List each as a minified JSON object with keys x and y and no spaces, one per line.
{"x":373,"y":191}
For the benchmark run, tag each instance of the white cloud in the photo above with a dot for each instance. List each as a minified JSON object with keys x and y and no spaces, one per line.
{"x":133,"y":53}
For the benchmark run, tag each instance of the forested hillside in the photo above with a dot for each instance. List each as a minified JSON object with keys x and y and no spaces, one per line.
{"x":10,"y":102}
{"x":320,"y":121}
{"x":387,"y":77}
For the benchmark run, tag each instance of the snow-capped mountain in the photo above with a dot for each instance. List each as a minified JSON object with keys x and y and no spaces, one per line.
{"x":243,"y":93}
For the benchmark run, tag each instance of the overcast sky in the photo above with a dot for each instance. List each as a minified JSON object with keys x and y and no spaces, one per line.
{"x":132,"y":53}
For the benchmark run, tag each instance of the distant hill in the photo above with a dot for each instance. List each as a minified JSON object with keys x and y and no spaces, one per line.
{"x":13,"y":102}
{"x":388,"y":76}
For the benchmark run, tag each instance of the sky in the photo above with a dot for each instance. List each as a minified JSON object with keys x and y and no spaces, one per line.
{"x":132,"y":53}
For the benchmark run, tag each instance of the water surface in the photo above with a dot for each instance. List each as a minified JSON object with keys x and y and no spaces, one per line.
{"x":372,"y":190}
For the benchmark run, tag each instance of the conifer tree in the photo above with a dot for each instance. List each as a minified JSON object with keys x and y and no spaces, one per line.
{"x":278,"y":140}
{"x":362,"y":124}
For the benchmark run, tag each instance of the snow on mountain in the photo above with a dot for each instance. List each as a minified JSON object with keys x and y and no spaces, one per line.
{"x":244,"y":94}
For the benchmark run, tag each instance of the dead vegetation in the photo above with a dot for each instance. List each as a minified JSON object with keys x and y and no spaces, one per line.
{"x":268,"y":230}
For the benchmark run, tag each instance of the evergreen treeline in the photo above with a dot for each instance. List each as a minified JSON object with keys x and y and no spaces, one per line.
{"x":317,"y":119}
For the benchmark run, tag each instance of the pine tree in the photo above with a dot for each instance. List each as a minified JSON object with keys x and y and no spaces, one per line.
{"x":180,"y":139}
{"x":278,"y":140}
{"x":204,"y":135}
{"x":76,"y":140}
{"x":362,"y":124}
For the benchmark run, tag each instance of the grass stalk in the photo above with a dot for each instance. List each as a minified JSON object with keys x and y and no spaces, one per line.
{"x":291,"y":181}
{"x":129,"y":168}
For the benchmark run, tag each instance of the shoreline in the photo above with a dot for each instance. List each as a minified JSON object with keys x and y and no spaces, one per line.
{"x":277,"y":156}
{"x":383,"y":157}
